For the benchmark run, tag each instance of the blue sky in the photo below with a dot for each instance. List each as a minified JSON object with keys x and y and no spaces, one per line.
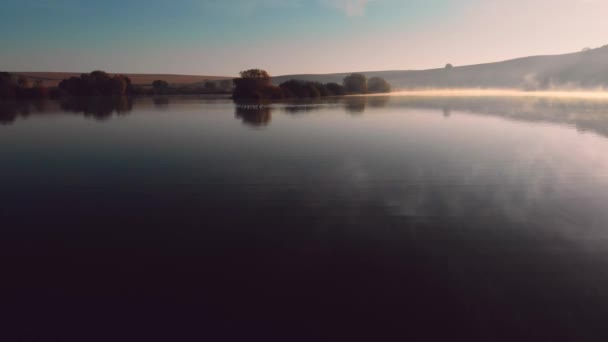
{"x":221,"y":37}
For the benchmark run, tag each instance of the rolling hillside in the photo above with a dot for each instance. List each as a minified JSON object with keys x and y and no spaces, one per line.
{"x":587,"y":69}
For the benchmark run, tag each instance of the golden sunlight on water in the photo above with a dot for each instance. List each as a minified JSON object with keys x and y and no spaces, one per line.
{"x":579,"y":94}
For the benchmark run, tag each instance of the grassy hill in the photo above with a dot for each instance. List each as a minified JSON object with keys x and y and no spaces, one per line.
{"x":587,"y":69}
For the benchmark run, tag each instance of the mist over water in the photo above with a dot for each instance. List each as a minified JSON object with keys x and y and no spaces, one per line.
{"x":579,"y":93}
{"x":357,"y":218}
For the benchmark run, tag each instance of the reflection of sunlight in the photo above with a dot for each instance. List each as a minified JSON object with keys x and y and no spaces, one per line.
{"x":501,"y":93}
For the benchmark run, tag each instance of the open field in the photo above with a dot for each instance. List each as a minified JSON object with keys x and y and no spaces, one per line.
{"x":52,"y":79}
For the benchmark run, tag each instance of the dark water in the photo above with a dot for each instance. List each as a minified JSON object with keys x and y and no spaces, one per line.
{"x":376,"y":219}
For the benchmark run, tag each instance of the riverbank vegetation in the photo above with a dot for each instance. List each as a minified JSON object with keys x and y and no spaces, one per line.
{"x":256,"y":84}
{"x":19,"y":87}
{"x":97,"y":83}
{"x":100,"y":83}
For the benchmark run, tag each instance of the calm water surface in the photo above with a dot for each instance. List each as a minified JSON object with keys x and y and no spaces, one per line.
{"x":377,"y":219}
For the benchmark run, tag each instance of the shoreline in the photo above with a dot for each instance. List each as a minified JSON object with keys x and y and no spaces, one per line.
{"x":578,"y":94}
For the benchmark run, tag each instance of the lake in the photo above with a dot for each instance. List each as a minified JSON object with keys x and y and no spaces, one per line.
{"x":365,"y":218}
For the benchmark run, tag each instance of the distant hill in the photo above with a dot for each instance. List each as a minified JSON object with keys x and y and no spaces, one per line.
{"x":586,"y":69}
{"x":51,"y":79}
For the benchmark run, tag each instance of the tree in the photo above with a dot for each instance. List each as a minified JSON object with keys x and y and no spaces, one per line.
{"x":355,"y":84}
{"x":335,"y":89}
{"x":302,"y":89}
{"x":7,"y":86}
{"x":378,"y":85}
{"x":96,"y":83}
{"x":12,"y":86}
{"x":449,"y":66}
{"x":118,"y":85}
{"x":255,"y":84}
{"x":320,"y":88}
{"x":254,"y":73}
{"x":160,"y":86}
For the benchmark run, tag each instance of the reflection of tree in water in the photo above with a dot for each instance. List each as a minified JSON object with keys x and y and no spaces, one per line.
{"x":301,"y":109}
{"x":101,"y":108}
{"x":378,"y":101}
{"x":355,"y":105}
{"x":161,"y":101}
{"x":447,"y":112}
{"x":254,"y":115}
{"x":10,"y":111}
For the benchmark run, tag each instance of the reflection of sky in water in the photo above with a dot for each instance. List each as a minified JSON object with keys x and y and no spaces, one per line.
{"x":403,"y":154}
{"x":498,"y":207}
{"x":533,"y":175}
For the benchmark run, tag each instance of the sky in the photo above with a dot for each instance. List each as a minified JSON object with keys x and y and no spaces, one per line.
{"x":223,"y":37}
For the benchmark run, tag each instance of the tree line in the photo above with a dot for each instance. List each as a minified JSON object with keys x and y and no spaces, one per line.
{"x":256,"y":84}
{"x":162,"y":87}
{"x":100,"y":83}
{"x":20,"y":87}
{"x":96,"y":83}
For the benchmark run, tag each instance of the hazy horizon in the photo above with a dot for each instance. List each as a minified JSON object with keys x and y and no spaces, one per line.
{"x":289,"y":36}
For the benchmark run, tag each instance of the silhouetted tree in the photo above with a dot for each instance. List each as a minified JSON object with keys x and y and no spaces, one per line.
{"x":302,"y":89}
{"x":255,"y":84}
{"x":160,"y":86}
{"x":255,"y":73}
{"x":335,"y":89}
{"x":96,"y":83}
{"x":119,"y":85}
{"x":13,"y":87}
{"x":321,"y":88}
{"x":449,"y":66}
{"x":8,"y":88}
{"x":355,"y":84}
{"x":378,"y":85}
